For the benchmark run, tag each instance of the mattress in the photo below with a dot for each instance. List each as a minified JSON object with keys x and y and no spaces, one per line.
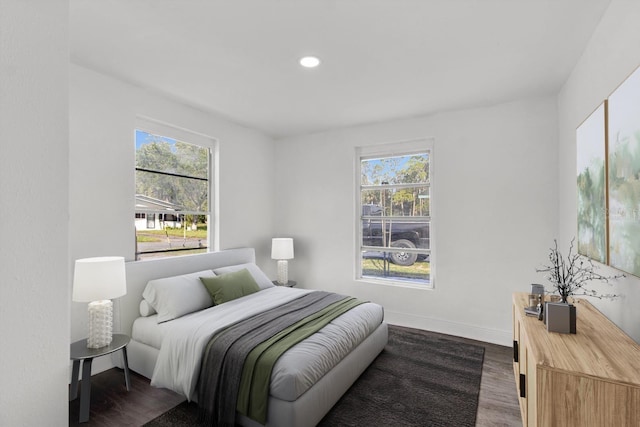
{"x":147,"y":331}
{"x":308,"y":361}
{"x":302,"y":365}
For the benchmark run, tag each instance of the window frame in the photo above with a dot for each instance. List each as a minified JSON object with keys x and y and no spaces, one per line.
{"x":155,"y":127}
{"x":402,"y":148}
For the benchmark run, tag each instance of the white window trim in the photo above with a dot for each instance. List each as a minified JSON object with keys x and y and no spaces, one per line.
{"x":390,"y":150}
{"x":157,"y":127}
{"x":181,"y":134}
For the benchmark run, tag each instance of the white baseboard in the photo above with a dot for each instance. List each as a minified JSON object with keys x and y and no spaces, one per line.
{"x":448,"y":327}
{"x":101,"y":364}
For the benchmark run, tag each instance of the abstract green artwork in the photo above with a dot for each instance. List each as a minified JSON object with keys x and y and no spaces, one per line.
{"x":591,"y":165}
{"x":624,"y":175}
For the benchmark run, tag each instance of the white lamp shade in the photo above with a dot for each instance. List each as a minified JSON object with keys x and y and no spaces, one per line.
{"x":282,"y":248}
{"x":99,"y":278}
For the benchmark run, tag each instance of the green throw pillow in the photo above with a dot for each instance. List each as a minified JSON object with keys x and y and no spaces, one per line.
{"x":230,"y":286}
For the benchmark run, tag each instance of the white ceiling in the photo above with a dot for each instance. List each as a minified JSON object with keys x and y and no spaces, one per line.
{"x":381,"y":59}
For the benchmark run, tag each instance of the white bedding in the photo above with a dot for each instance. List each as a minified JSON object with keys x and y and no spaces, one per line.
{"x":148,"y":331}
{"x":184,"y":339}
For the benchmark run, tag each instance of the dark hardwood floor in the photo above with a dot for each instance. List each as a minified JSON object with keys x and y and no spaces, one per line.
{"x":112,"y":405}
{"x":498,"y":402}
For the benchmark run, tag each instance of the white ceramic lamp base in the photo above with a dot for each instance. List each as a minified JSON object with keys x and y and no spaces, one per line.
{"x":100,"y":323}
{"x":283,"y":271}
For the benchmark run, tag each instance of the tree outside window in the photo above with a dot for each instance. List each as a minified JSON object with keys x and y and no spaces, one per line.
{"x":172,"y":196}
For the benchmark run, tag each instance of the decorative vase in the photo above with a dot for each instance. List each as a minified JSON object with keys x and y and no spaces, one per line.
{"x":560,"y":317}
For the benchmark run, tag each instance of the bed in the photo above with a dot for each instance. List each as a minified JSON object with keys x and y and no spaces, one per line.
{"x":167,"y":344}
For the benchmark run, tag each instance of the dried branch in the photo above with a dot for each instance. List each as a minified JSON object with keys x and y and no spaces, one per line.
{"x":572,"y":275}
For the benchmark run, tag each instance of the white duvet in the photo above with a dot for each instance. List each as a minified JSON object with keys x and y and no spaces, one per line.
{"x":179,"y":359}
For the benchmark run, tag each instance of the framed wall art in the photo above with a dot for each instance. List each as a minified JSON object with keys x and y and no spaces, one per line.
{"x":624,"y":175}
{"x":591,"y":158}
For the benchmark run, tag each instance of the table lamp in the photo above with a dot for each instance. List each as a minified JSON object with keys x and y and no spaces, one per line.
{"x":97,"y":281}
{"x":282,"y":250}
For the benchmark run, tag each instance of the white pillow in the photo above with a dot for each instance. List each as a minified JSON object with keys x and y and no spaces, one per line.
{"x":145,"y":309}
{"x":258,"y":275}
{"x":173,"y":297}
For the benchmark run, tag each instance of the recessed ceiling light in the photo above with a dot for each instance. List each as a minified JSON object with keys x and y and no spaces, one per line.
{"x":309,"y":62}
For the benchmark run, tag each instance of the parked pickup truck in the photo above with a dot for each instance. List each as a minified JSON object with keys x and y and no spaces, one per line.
{"x":414,"y":234}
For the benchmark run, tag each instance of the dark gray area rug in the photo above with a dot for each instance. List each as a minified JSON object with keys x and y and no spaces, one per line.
{"x":421,"y":378}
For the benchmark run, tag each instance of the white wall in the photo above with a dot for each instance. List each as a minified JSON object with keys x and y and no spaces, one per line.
{"x":611,"y":55}
{"x":495,"y":210}
{"x":102,"y":181}
{"x":34,"y":276}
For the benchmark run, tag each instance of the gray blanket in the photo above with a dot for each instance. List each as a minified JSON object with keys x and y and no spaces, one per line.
{"x":224,"y":356}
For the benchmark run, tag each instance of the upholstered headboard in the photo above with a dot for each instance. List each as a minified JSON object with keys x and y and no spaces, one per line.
{"x":127,"y":308}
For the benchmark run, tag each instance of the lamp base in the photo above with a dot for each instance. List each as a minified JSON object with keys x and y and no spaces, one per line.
{"x":283,"y":271}
{"x":100,"y":323}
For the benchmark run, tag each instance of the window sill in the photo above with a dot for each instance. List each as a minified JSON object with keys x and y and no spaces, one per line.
{"x":396,"y":283}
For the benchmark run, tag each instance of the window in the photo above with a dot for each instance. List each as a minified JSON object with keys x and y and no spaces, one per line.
{"x":394,"y":213}
{"x":173,"y":193}
{"x":151,"y":221}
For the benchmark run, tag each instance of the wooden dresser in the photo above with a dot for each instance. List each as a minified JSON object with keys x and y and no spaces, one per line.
{"x":591,"y":378}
